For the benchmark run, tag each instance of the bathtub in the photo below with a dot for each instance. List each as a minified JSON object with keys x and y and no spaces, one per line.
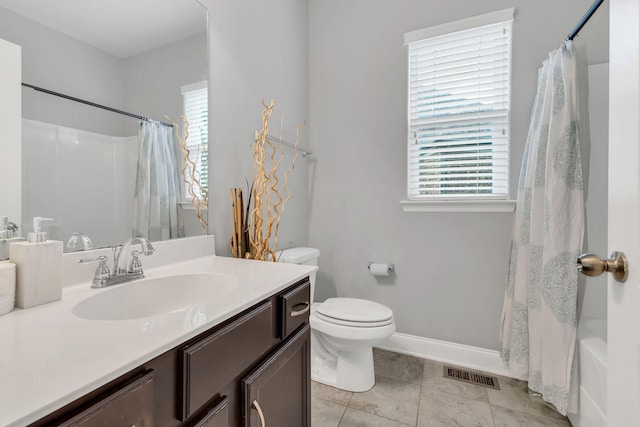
{"x":592,"y":348}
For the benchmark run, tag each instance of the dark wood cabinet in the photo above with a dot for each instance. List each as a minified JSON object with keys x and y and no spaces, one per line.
{"x":278,"y":392}
{"x":218,"y":416}
{"x":261,"y":354}
{"x":295,"y":306}
{"x":130,"y":405}
{"x":214,"y":361}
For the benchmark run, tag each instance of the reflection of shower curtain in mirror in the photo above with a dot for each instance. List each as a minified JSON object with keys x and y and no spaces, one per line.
{"x":157,"y":191}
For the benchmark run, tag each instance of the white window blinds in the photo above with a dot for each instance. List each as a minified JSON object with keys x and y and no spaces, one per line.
{"x":459,"y":101}
{"x":196,"y":111}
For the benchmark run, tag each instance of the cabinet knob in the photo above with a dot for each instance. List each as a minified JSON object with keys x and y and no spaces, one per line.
{"x":256,"y":405}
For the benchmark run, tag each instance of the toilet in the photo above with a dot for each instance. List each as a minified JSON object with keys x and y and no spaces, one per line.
{"x":343,"y":332}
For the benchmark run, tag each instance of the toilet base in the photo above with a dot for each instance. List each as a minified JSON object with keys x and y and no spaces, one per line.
{"x":347,"y":370}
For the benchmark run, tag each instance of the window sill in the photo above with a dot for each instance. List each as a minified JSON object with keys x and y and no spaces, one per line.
{"x":187,"y":206}
{"x":459,"y":206}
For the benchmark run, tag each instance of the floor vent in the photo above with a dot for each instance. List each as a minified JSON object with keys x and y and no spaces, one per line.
{"x":471,"y":377}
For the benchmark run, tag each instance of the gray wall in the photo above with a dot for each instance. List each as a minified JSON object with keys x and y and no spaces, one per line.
{"x":257,"y":50}
{"x":63,"y":64}
{"x":153,"y":79}
{"x":147,"y":84}
{"x":451,"y":268}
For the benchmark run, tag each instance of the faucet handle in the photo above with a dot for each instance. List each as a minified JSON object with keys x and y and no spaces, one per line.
{"x":135,"y":266}
{"x":102,"y":272}
{"x":100,"y":259}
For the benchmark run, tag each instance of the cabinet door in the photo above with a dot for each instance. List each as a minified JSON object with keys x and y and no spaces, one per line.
{"x":130,"y":405}
{"x":278,"y":392}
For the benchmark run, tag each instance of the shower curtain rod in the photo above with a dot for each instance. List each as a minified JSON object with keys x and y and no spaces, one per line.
{"x":93,"y":104}
{"x":584,"y":19}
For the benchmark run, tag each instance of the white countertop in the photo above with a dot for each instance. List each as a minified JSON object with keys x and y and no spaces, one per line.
{"x":49,"y":357}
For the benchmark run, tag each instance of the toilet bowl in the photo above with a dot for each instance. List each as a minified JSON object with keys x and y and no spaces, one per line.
{"x":343,"y":333}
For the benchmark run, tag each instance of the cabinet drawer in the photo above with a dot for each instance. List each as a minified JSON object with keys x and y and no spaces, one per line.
{"x":131,"y":405}
{"x":218,"y":416}
{"x":296,"y":305}
{"x":211,"y":363}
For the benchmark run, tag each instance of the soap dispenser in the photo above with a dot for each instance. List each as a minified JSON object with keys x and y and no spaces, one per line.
{"x":38,"y":267}
{"x":38,"y":236}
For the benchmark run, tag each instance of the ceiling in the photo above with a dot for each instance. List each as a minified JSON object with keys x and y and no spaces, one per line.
{"x":122,"y":28}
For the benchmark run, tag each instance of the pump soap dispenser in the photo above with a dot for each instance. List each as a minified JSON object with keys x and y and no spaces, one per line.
{"x":38,"y":267}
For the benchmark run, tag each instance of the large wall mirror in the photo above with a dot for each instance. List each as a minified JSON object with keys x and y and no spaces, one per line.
{"x":80,"y":163}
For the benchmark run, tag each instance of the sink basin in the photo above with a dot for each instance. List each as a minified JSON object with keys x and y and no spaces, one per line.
{"x":154,"y":297}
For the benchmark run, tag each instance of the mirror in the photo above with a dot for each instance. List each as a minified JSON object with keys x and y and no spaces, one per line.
{"x":79,"y":162}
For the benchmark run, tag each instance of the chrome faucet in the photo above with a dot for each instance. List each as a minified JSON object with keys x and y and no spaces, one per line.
{"x":147,"y":249}
{"x":104,"y":277}
{"x":78,"y":237}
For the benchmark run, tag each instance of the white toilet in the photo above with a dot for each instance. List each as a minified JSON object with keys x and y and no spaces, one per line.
{"x":343,"y":332}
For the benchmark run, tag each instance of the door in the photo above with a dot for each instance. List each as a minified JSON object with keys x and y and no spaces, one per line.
{"x":278,"y":392}
{"x":11,"y":135}
{"x":624,"y":213}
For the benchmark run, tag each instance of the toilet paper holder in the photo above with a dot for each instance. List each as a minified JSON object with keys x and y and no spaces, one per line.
{"x":390,"y":267}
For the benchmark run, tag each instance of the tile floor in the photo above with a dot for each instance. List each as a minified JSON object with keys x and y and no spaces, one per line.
{"x":412,"y":392}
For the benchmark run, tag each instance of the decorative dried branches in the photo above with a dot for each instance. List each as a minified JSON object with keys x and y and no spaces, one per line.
{"x":262,"y":223}
{"x":240,"y":215}
{"x":199,"y":195}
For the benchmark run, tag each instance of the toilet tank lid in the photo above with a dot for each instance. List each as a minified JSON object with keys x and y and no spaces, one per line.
{"x":297,"y":255}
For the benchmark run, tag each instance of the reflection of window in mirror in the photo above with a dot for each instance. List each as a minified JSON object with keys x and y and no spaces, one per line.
{"x":196,"y":111}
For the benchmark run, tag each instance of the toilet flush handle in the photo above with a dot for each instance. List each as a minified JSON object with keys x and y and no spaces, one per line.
{"x":300,"y":311}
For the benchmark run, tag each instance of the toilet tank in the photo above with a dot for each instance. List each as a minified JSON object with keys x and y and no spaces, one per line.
{"x":305,"y":256}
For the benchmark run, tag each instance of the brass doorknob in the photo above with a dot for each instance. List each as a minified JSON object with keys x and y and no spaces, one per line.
{"x":592,"y":265}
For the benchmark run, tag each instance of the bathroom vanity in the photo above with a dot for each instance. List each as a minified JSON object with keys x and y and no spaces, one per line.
{"x":242,"y":359}
{"x":256,"y":363}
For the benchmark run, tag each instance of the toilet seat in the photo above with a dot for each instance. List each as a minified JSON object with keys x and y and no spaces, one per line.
{"x":354,"y":312}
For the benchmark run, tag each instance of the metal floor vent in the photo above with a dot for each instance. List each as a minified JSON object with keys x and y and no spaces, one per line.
{"x":471,"y":377}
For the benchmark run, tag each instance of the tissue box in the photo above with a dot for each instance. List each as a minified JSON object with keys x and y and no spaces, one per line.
{"x":38,"y":272}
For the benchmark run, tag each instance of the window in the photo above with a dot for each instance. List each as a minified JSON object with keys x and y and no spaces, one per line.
{"x":458,"y":112}
{"x":197,"y":112}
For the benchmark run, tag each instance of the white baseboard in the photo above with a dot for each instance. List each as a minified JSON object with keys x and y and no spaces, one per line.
{"x":466,"y":356}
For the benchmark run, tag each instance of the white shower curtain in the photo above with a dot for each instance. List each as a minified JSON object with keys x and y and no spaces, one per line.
{"x":157,"y":191}
{"x":538,"y":326}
